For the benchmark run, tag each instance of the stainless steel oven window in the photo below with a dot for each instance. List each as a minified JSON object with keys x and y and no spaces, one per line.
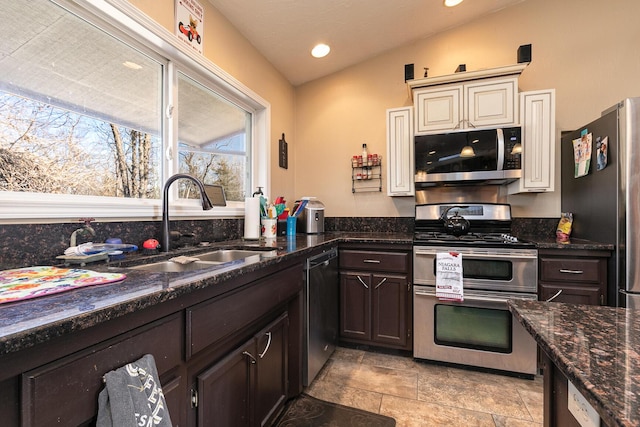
{"x":473,"y":327}
{"x":490,"y":269}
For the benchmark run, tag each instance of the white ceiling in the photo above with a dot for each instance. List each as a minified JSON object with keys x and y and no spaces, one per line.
{"x":284,"y":31}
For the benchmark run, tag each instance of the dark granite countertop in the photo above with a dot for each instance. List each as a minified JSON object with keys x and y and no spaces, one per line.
{"x":597,"y":348}
{"x":27,"y":323}
{"x":550,"y":242}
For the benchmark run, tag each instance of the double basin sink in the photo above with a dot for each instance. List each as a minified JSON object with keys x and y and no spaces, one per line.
{"x":206,"y":260}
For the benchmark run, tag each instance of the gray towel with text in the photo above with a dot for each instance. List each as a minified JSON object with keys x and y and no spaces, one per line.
{"x":133,"y":397}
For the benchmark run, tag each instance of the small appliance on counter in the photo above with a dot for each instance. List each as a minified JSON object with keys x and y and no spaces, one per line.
{"x":311,"y":219}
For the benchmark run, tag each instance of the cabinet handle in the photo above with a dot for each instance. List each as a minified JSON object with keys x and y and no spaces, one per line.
{"x":371,"y":261}
{"x":562,"y":270}
{"x":381,"y":282}
{"x":194,"y":398}
{"x":554,"y":297}
{"x":362,"y":281}
{"x":253,"y":359}
{"x":261,"y":355}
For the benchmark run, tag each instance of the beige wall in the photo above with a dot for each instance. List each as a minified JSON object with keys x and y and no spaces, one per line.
{"x":228,"y":49}
{"x":585,"y":49}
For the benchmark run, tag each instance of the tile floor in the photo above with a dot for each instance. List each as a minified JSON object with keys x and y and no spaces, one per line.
{"x":424,"y":394}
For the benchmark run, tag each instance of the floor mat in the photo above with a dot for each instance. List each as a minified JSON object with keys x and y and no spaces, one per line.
{"x":307,"y":411}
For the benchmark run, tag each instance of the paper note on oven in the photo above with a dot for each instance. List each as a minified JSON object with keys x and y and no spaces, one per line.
{"x":449,"y":276}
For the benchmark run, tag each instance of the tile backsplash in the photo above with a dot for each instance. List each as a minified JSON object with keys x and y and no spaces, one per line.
{"x":23,"y":245}
{"x":39,"y":244}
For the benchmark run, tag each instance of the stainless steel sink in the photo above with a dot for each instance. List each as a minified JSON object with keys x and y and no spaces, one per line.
{"x":205,"y":260}
{"x":228,"y":255}
{"x":174,"y":267}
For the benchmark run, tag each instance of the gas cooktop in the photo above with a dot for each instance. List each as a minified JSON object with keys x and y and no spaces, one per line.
{"x":476,"y":239}
{"x":489,"y":225}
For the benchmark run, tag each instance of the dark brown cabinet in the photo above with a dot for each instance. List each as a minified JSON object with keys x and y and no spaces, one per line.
{"x":249,"y":386}
{"x":49,"y":393}
{"x":375,"y":297}
{"x":227,"y":355}
{"x":573,"y":276}
{"x":556,"y":394}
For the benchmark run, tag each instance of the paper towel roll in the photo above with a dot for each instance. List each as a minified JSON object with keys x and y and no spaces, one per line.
{"x":252,"y":218}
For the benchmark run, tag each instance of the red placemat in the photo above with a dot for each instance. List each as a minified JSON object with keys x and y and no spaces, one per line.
{"x":34,"y":282}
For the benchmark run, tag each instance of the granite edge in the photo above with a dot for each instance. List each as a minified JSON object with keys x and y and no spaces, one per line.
{"x":174,"y":285}
{"x":566,"y":366}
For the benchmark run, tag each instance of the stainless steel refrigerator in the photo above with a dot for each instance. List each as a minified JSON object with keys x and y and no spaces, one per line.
{"x":606,"y":200}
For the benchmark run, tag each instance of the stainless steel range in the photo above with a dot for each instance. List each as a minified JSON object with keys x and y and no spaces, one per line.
{"x":478,"y":331}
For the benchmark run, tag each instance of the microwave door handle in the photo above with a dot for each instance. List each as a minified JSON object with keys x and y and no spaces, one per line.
{"x":500,"y":136}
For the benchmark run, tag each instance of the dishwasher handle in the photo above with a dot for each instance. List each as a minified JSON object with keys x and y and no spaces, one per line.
{"x":322,"y":259}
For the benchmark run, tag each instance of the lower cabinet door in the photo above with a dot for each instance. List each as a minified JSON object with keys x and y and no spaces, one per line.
{"x":355,"y":306}
{"x":271,"y":370}
{"x":571,"y":293}
{"x":390,"y":306}
{"x":223,"y":397}
{"x":249,"y":386}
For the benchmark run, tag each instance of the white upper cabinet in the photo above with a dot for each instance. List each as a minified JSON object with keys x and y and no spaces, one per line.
{"x":438,"y":109}
{"x":400,"y":180}
{"x":537,"y":116}
{"x":481,"y":103}
{"x":485,"y":98}
{"x":491,"y":102}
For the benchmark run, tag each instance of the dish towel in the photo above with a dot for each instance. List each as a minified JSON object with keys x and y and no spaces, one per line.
{"x":133,"y":397}
{"x":449,"y":276}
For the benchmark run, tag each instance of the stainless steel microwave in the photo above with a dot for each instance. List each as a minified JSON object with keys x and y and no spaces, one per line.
{"x":478,"y":156}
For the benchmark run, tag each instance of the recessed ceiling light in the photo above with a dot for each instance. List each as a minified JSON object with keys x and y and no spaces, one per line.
{"x":451,"y":3}
{"x":320,"y":50}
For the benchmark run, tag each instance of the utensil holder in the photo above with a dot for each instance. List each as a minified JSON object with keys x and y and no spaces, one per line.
{"x":291,"y":226}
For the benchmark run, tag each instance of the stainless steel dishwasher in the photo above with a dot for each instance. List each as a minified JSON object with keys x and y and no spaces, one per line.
{"x":321,"y":312}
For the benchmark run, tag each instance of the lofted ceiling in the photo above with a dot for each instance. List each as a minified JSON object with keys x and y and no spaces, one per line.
{"x":284,"y":31}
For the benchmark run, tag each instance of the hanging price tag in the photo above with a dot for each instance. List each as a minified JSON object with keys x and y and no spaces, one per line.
{"x":449,"y":276}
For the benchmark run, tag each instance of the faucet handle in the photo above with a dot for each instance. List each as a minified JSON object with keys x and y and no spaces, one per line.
{"x":87,"y":221}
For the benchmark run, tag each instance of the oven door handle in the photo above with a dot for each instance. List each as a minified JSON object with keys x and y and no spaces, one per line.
{"x":466,"y":297}
{"x":508,"y":256}
{"x":479,"y":298}
{"x":468,"y":255}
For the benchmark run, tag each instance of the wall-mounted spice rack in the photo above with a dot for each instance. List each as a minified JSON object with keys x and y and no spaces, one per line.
{"x":366,"y":175}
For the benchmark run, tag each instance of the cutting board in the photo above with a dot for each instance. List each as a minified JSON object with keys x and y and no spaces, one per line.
{"x":34,"y":282}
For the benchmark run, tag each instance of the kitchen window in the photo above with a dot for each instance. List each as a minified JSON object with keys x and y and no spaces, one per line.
{"x":94,"y":117}
{"x":213,"y":138}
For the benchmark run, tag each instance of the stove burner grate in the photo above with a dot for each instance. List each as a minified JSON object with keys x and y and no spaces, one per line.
{"x":471,"y":238}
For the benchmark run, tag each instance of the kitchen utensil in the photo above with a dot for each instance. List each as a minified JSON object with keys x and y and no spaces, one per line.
{"x":456,"y":224}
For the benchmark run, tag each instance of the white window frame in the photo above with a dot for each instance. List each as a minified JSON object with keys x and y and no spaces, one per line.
{"x":23,"y":207}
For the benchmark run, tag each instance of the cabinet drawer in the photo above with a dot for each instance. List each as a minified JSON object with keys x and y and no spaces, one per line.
{"x":214,"y":320}
{"x":576,"y":270}
{"x":373,"y":260}
{"x":65,"y":392}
